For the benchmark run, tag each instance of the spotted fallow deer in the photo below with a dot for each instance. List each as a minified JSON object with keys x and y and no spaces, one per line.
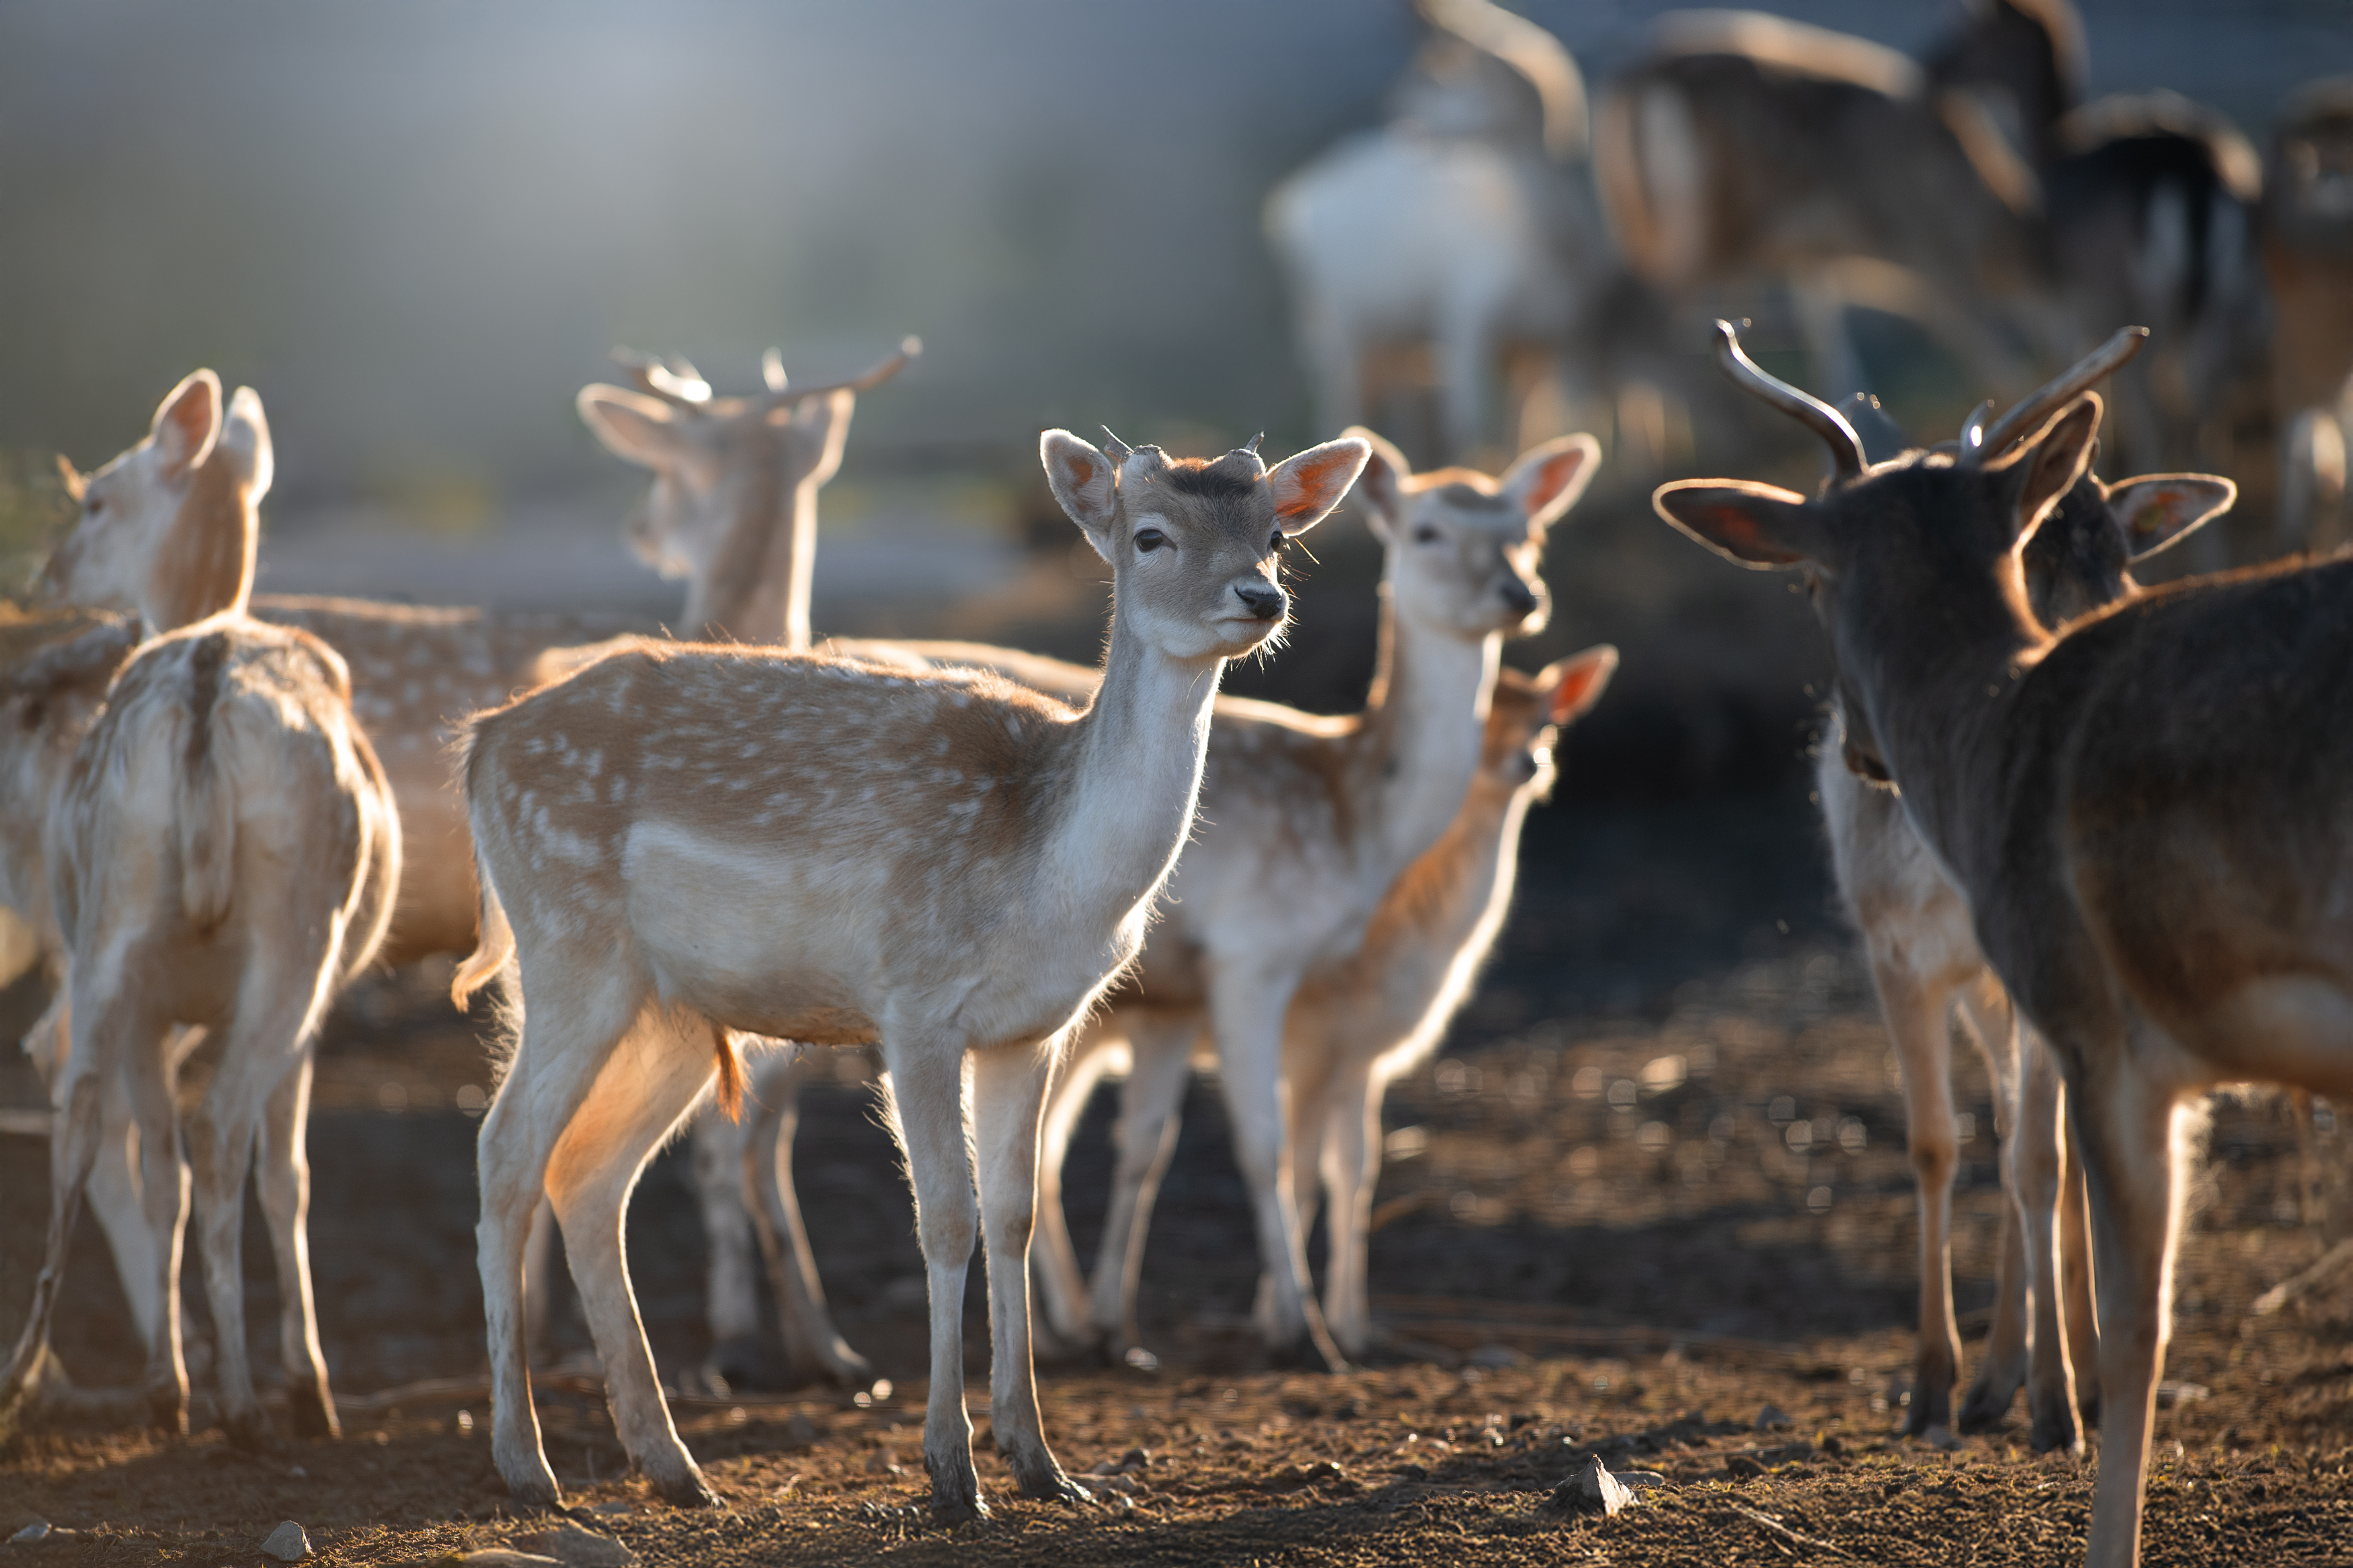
{"x":208,"y":840}
{"x":1925,"y":962}
{"x":678,"y":843}
{"x":1355,"y":1026}
{"x":2147,"y":812}
{"x":1746,"y":146}
{"x":1307,"y":821}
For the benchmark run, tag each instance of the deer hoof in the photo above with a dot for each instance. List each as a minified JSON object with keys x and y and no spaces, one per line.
{"x":313,"y":1412}
{"x":249,"y":1430}
{"x":689,"y":1490}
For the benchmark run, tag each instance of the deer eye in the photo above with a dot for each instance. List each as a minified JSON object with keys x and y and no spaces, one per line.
{"x":1148,"y":539}
{"x":1425,"y":534}
{"x":1275,"y":544}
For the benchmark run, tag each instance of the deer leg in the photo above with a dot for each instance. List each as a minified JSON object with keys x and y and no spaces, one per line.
{"x":116,"y":1200}
{"x":927,"y":1102}
{"x":2075,"y":1276}
{"x":541,"y":1280}
{"x":1334,"y":352}
{"x":1352,"y":1168}
{"x":1985,"y":1007}
{"x":536,"y":1107}
{"x":1061,"y":1283}
{"x":1152,"y":1106}
{"x":1466,"y":363}
{"x":648,"y":1083}
{"x":135,"y":1059}
{"x":1308,"y":1112}
{"x":285,"y":1184}
{"x":1915,"y":1011}
{"x":2041,"y":1170}
{"x":730,"y":1296}
{"x":813,"y":1346}
{"x":1249,"y":1009}
{"x":220,"y":1150}
{"x":1008,"y":1095}
{"x":2124,"y":1123}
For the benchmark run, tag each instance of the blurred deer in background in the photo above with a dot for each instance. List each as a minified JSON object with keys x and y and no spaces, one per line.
{"x":1924,"y":963}
{"x":2147,"y":811}
{"x":209,"y":841}
{"x":1745,"y":145}
{"x":2308,"y":255}
{"x":678,"y":843}
{"x":1465,"y":223}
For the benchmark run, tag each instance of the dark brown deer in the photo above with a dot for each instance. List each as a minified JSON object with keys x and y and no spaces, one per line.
{"x":2147,"y":809}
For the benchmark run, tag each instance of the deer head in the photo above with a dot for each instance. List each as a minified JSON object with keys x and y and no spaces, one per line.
{"x":728,"y":471}
{"x":168,"y":527}
{"x":1194,"y":546}
{"x":1527,"y":713}
{"x":1463,"y":548}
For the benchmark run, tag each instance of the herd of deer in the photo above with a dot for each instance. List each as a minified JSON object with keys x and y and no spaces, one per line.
{"x":2107,"y":822}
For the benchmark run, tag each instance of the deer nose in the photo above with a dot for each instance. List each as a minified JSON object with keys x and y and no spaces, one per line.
{"x":1263,"y":600}
{"x":1518,"y":597}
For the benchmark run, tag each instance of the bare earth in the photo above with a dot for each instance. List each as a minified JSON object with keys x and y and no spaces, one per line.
{"x":1603,"y":1233}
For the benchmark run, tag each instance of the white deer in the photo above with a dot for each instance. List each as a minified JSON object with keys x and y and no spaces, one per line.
{"x":208,"y":841}
{"x":2146,"y":810}
{"x":678,"y":843}
{"x":1466,"y":222}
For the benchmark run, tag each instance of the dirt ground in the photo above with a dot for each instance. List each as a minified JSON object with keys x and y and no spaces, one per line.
{"x":1655,"y":1184}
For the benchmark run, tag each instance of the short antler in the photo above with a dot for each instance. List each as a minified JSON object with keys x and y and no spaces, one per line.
{"x":910,"y":347}
{"x":2051,"y":395}
{"x":1846,"y":446}
{"x":675,"y":382}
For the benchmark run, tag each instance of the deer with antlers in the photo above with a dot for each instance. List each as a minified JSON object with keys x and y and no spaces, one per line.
{"x":1925,"y":964}
{"x":678,"y":843}
{"x":2144,"y":808}
{"x":207,"y":839}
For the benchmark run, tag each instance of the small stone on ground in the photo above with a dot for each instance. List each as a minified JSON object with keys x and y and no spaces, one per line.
{"x":287,"y":1542}
{"x":1592,"y":1489}
{"x":579,"y":1548}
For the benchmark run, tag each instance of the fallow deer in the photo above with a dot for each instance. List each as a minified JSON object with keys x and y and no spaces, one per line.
{"x":1355,"y":1026}
{"x":676,"y":843}
{"x":1746,"y":145}
{"x":1925,"y":962}
{"x":1466,"y":222}
{"x":2309,"y":256}
{"x":209,"y":840}
{"x":2146,"y":810}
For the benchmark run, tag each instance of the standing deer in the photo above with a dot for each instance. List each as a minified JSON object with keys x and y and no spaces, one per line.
{"x":210,"y":841}
{"x":1357,"y":1025}
{"x":2146,"y":810}
{"x":1466,"y":222}
{"x":1746,"y":145}
{"x":1925,"y":962}
{"x":678,"y":843}
{"x":2309,"y":256}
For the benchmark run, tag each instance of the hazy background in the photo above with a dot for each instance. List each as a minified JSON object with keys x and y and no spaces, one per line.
{"x":417,"y":229}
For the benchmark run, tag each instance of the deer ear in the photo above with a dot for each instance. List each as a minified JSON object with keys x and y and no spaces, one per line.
{"x":2161,"y":510}
{"x":1381,"y":487}
{"x":1547,"y":479}
{"x":2045,"y":466}
{"x":76,"y":482}
{"x":644,"y":430}
{"x":1573,"y":684}
{"x":245,"y":436}
{"x":1082,"y":480}
{"x":1308,"y":485}
{"x":1749,"y":524}
{"x":827,"y":416}
{"x":187,"y":423}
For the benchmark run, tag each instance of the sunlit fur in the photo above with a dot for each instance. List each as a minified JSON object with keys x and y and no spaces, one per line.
{"x":679,"y":842}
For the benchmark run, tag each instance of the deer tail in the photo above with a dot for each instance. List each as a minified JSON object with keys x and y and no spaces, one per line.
{"x":206,"y":814}
{"x":492,"y":947}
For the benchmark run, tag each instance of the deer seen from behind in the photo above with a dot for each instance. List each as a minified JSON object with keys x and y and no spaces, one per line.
{"x":2146,"y":810}
{"x":200,"y":829}
{"x":677,"y":843}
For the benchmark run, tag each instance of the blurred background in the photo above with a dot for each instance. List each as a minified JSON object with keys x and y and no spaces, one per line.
{"x":417,"y":229}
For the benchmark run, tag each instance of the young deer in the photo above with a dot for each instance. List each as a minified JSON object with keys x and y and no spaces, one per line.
{"x":1355,"y":1026}
{"x":1307,"y":821}
{"x":946,"y":864}
{"x":209,"y":841}
{"x":1925,"y":962}
{"x":2147,"y":811}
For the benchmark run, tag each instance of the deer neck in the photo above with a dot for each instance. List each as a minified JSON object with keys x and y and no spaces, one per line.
{"x":1131,"y":773}
{"x":1945,"y":694}
{"x":756,"y":589}
{"x":1420,"y":744}
{"x":203,"y":564}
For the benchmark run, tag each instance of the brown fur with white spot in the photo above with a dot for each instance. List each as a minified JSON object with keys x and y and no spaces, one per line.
{"x":676,"y":841}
